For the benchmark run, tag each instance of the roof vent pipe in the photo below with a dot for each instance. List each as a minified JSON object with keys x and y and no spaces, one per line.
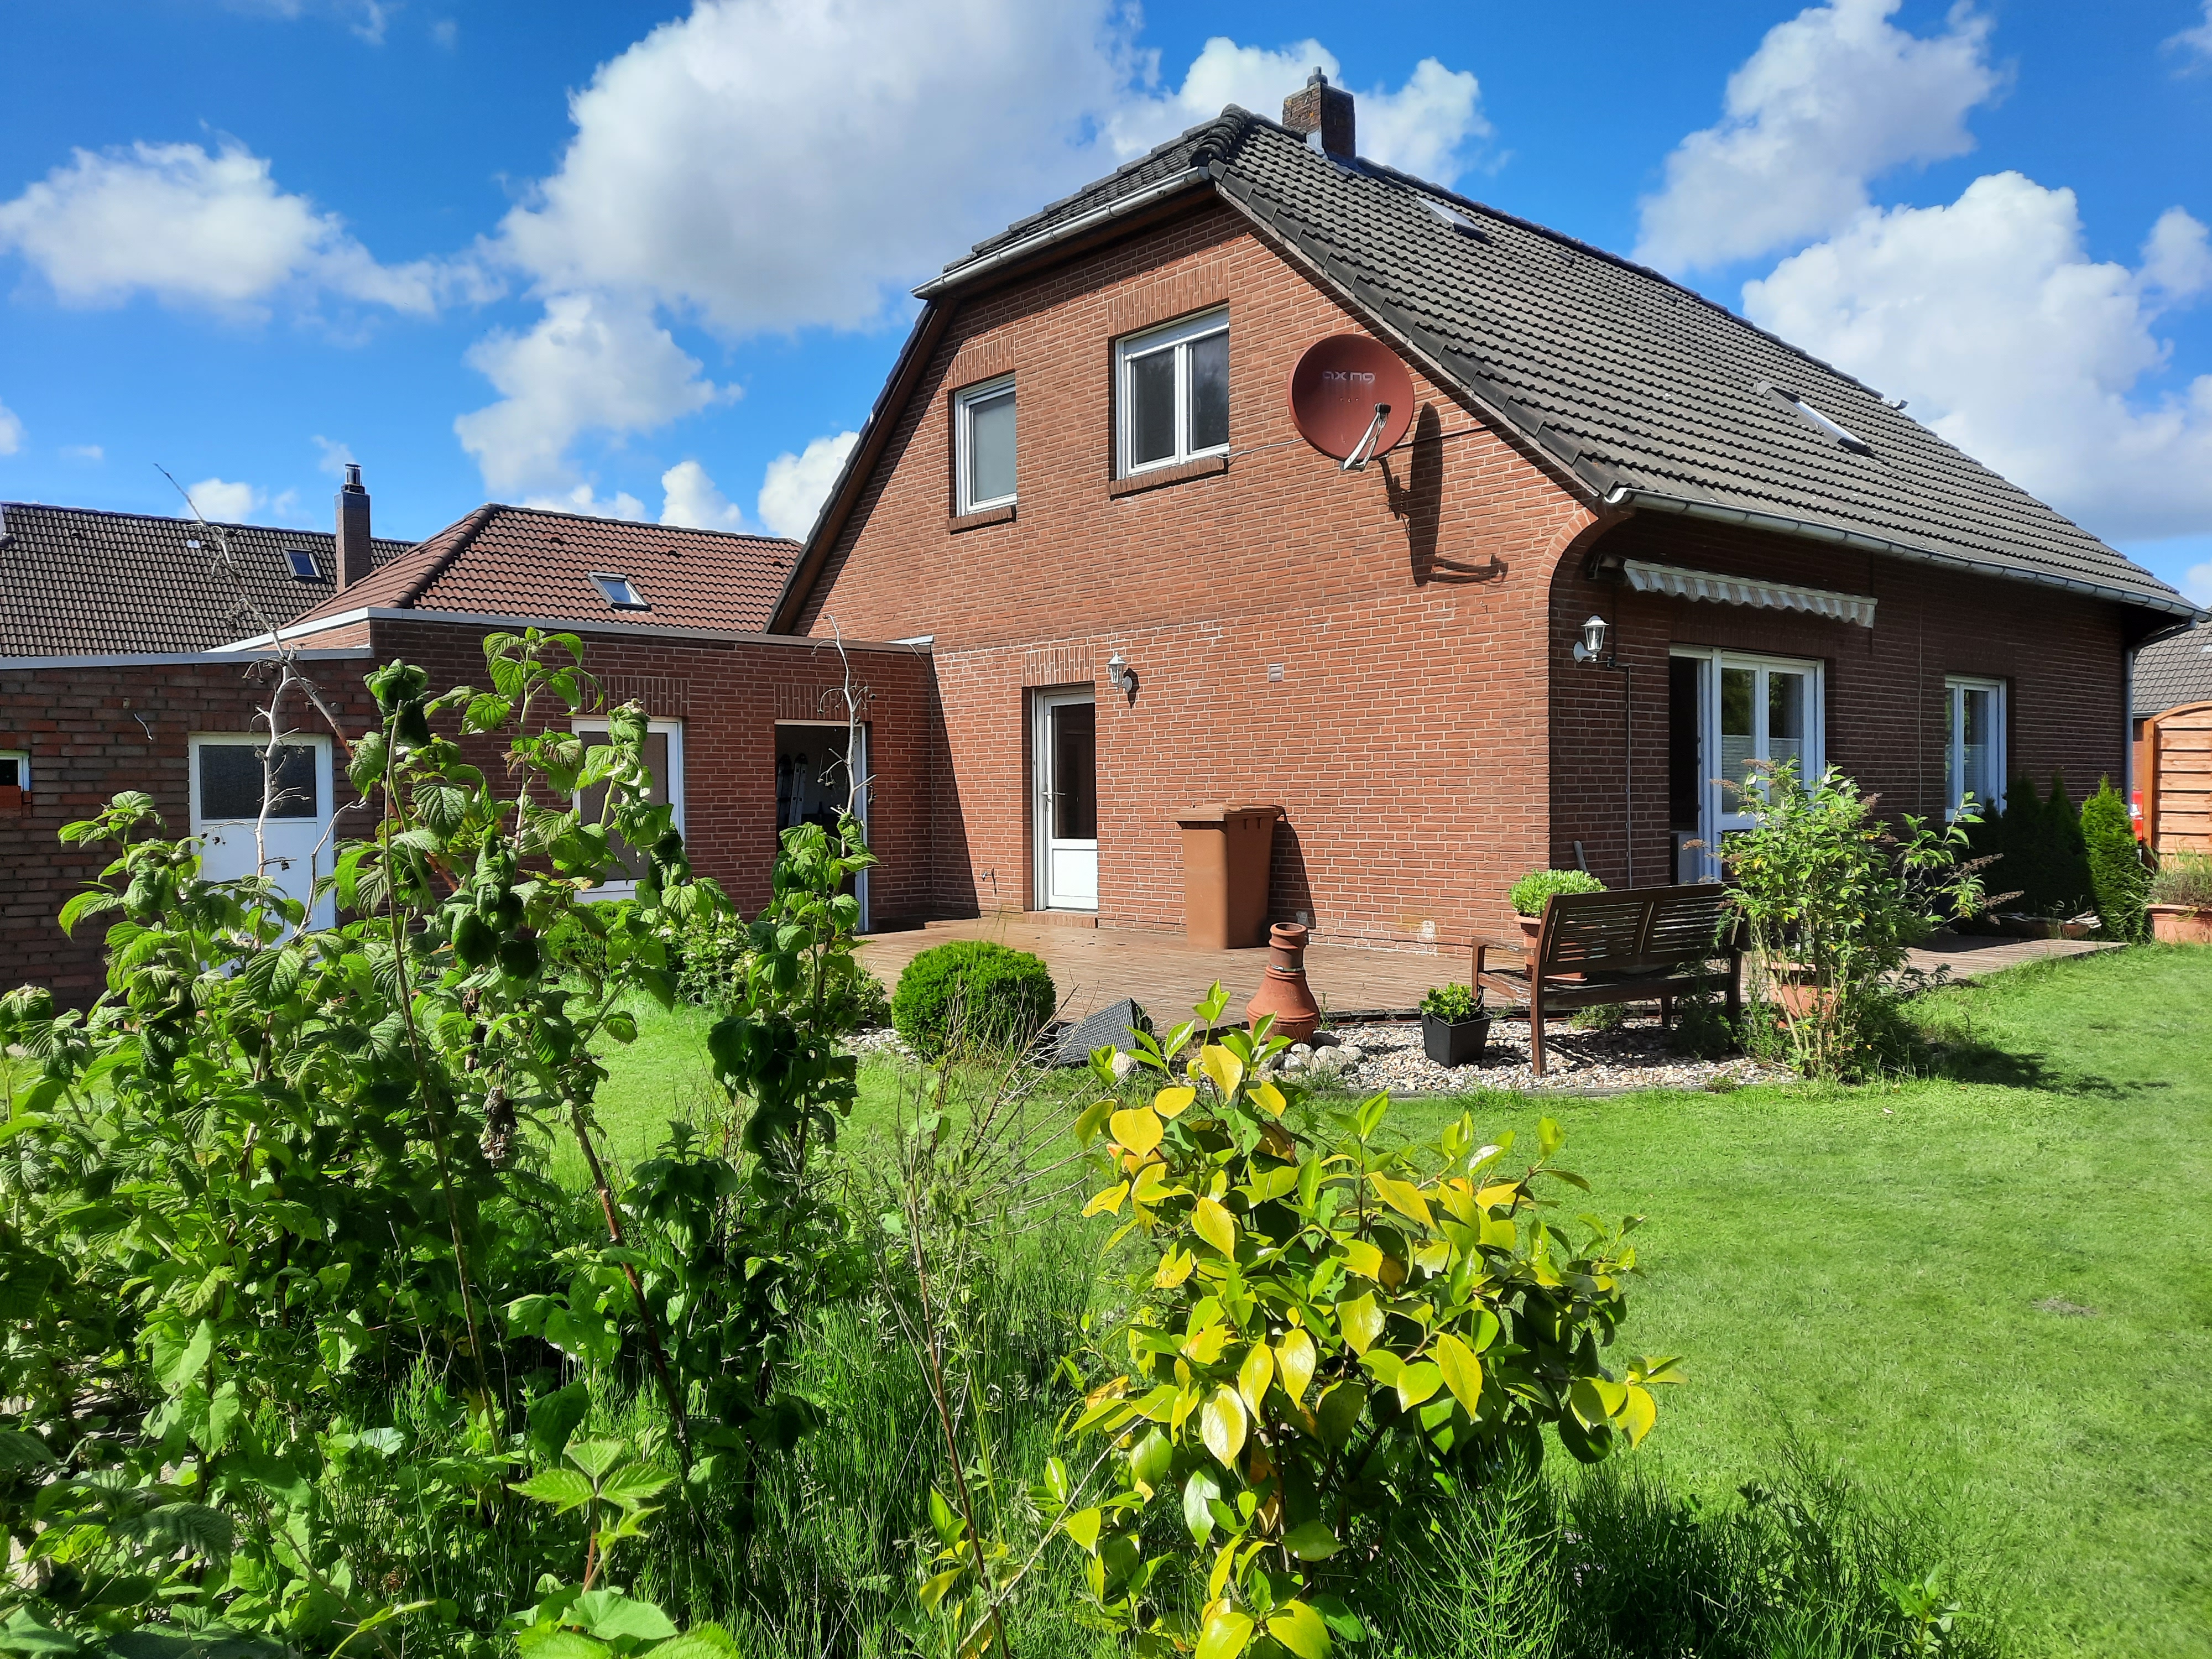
{"x":354,"y":559}
{"x":1320,"y":108}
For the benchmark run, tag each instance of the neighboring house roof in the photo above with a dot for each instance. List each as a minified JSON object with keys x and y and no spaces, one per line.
{"x":78,"y":582}
{"x":1635,"y":389}
{"x":526,"y":562}
{"x":2174,"y":670}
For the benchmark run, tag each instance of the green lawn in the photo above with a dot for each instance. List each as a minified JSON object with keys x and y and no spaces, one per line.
{"x":1989,"y":1291}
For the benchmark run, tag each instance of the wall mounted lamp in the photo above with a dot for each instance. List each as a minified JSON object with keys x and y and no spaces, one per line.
{"x":1591,"y":647}
{"x":1119,"y":671}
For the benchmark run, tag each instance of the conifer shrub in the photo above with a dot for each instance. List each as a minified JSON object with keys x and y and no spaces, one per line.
{"x":972,"y":993}
{"x":2118,"y":880}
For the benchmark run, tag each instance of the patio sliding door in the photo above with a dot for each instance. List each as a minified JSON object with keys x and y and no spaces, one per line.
{"x":1755,"y":712}
{"x":1064,"y":789}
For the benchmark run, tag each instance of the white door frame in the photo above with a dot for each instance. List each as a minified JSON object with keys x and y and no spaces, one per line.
{"x":1041,"y":704}
{"x":323,"y":913}
{"x":857,"y":792}
{"x":595,"y":727}
{"x":1713,"y":821}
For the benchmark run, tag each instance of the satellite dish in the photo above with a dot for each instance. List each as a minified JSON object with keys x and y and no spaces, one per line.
{"x":1334,"y":391}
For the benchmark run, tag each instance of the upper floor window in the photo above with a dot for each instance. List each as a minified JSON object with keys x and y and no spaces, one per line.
{"x":303,"y":565}
{"x":1173,"y":393}
{"x":983,"y":442}
{"x":1973,"y":745}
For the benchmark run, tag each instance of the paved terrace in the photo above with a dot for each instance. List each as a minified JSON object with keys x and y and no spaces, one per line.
{"x":1093,"y":966}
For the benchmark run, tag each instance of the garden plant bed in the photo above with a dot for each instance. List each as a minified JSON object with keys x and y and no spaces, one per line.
{"x":1633,"y":1055}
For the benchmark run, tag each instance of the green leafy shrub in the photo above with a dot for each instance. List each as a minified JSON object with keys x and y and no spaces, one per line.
{"x":2184,"y":878}
{"x":715,"y":954}
{"x":2116,"y":876}
{"x":2042,"y":866}
{"x":972,"y":993}
{"x":1835,"y":898}
{"x":1321,"y":1331}
{"x":1530,"y":892}
{"x":1454,"y":1004}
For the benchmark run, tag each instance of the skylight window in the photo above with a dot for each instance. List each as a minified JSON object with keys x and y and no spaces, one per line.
{"x":303,"y":564}
{"x":1451,"y":217}
{"x":619,"y":592}
{"x":1843,"y":436}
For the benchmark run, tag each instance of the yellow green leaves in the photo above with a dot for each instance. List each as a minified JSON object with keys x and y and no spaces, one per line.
{"x":1215,"y":1225}
{"x":1505,"y":1194}
{"x":1269,"y":1099}
{"x":1092,"y":1119}
{"x":1637,"y":1414}
{"x":1138,"y":1129}
{"x":1337,"y":1412}
{"x":1361,"y":1321}
{"x":1150,"y":1462}
{"x":1083,"y":1528}
{"x":1222,"y":1067}
{"x":1107,"y":1202}
{"x":1300,"y":1629}
{"x":1414,"y":1384}
{"x":1170,"y":1102}
{"x":1311,"y":1541}
{"x":1403,"y":1196}
{"x":1221,"y":1425}
{"x":1462,"y":1371}
{"x":1226,"y":1632}
{"x":1253,"y":1377}
{"x":1175,"y":1268}
{"x":1294,"y":1358}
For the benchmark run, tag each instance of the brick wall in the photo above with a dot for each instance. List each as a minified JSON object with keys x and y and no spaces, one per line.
{"x":1403,"y":606}
{"x":86,"y":745}
{"x":1430,"y":735}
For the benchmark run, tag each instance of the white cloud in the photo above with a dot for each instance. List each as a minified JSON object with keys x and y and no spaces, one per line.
{"x":225,"y":503}
{"x":445,"y":33}
{"x":195,"y":229}
{"x":796,"y":485}
{"x":590,"y":364}
{"x":689,"y":497}
{"x":336,"y":455}
{"x":583,"y":499}
{"x":83,"y":453}
{"x":1422,"y":128}
{"x":2195,"y":43}
{"x":1833,"y":98}
{"x":2016,"y":346}
{"x":367,"y":18}
{"x":2197,"y":584}
{"x":11,"y":431}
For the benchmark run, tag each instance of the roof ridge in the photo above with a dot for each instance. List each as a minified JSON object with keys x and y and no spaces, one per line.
{"x":212,"y":524}
{"x":634,"y":524}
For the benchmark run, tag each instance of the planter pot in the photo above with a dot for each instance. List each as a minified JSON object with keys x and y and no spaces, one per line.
{"x":1449,"y":1044}
{"x":2181,"y":924}
{"x":1282,"y":990}
{"x":1801,"y":998}
{"x":1530,"y":927}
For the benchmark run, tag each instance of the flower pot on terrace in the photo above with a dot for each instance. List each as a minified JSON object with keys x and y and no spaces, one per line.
{"x":1449,"y":1043}
{"x":1530,"y":927}
{"x":2181,"y":924}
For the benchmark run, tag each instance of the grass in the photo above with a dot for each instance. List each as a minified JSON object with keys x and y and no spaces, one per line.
{"x":1984,"y":1288}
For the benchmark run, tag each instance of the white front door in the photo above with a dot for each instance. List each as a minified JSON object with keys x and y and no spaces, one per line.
{"x":295,"y":840}
{"x":1064,"y":751}
{"x":1756,"y":709}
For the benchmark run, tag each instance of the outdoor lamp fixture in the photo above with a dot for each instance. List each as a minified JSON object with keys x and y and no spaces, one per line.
{"x":1123,"y":675}
{"x":1364,"y":450}
{"x":1591,"y":647}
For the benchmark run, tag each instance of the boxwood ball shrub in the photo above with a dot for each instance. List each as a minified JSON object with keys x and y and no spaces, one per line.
{"x":972,"y":992}
{"x":1532,"y":891}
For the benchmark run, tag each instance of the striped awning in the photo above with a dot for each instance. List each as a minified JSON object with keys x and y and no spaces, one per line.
{"x":1759,"y":594}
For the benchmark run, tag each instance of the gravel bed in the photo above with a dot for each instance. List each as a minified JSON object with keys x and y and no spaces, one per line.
{"x":1362,"y":1059}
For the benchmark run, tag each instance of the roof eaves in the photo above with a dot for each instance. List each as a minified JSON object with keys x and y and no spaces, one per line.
{"x":1814,"y":530}
{"x":967,"y":270}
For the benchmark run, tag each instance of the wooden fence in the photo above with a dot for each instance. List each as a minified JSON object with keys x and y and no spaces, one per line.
{"x":2177,"y":773}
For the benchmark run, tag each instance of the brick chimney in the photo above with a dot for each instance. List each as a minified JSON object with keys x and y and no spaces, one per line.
{"x":354,"y":561}
{"x":1319,"y":107}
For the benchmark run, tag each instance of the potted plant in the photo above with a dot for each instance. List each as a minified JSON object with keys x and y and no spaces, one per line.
{"x":2181,"y":899}
{"x":1534,"y":890}
{"x":1455,"y":1025}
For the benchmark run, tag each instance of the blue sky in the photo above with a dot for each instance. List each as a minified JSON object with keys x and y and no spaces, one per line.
{"x":652,"y":258}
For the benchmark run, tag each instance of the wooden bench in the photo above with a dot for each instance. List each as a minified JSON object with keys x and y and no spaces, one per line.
{"x":1647,"y":944}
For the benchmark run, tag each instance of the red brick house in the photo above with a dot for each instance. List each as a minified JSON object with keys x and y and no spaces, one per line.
{"x":748,"y":735}
{"x":1145,"y":589}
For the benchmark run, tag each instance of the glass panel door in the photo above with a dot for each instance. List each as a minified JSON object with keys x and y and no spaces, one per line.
{"x":1065,"y":749}
{"x":291,"y":844}
{"x":1760,"y":714}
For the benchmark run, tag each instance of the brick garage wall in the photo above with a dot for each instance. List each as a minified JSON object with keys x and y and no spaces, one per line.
{"x":86,"y":745}
{"x":1405,"y":604}
{"x":2062,"y":656}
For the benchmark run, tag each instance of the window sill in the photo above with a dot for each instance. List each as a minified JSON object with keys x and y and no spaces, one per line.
{"x":960,"y":521}
{"x":1160,"y":477}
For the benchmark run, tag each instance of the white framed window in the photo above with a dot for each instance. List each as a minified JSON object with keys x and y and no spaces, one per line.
{"x":619,"y":592}
{"x":664,"y":758}
{"x":1973,"y":745}
{"x":15,"y":769}
{"x":1171,"y":393}
{"x":1751,"y":711}
{"x":983,"y":445}
{"x":290,"y":842}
